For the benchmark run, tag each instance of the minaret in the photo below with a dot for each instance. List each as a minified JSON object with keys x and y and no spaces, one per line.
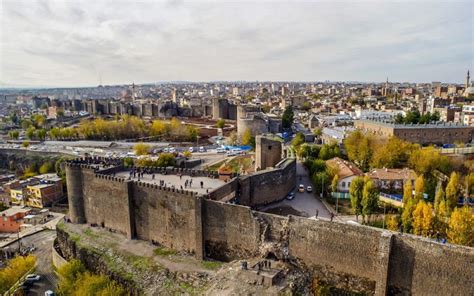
{"x":468,"y":79}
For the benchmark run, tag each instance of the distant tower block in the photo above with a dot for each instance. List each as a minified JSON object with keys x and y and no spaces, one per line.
{"x":268,"y":152}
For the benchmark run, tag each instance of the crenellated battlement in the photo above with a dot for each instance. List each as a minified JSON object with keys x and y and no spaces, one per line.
{"x":163,"y":188}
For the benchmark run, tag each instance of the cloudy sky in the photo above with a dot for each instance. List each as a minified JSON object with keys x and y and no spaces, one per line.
{"x":79,"y":43}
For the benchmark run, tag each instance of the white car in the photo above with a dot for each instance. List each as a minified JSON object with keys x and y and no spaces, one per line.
{"x":191,"y":149}
{"x":32,"y":278}
{"x":172,"y":150}
{"x":220,"y":150}
{"x":201,"y":149}
{"x":309,"y":189}
{"x":166,"y":150}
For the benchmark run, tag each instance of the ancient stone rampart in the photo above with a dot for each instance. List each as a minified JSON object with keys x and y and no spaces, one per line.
{"x":349,"y":257}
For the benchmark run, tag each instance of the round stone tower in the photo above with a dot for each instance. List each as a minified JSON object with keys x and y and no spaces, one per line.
{"x":74,"y":190}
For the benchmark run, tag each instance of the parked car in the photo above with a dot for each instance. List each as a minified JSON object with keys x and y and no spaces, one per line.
{"x":172,"y":150}
{"x":201,"y":149}
{"x":301,"y":188}
{"x":49,"y":293}
{"x":309,"y":189}
{"x":191,"y":149}
{"x":290,"y":196}
{"x":32,"y":278}
{"x":220,"y":150}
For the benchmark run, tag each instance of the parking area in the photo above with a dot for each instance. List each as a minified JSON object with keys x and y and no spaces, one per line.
{"x":304,"y":204}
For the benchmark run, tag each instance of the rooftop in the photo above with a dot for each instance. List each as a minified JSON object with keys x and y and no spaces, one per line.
{"x":392,"y":174}
{"x":345,"y":168}
{"x":178,"y":181}
{"x":415,"y":126}
{"x":14,"y":210}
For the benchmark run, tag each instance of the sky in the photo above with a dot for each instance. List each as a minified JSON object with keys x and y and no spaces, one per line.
{"x":86,"y":43}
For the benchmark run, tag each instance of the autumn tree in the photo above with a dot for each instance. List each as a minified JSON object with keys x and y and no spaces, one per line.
{"x":159,"y":128}
{"x":407,"y":191}
{"x":247,"y":137}
{"x":46,"y":167}
{"x":391,"y":154}
{"x":359,"y":150}
{"x":392,"y":222}
{"x":407,"y":214}
{"x":141,"y":149}
{"x":422,"y":218}
{"x":461,"y":227}
{"x":356,"y":191}
{"x":419,"y":187}
{"x":453,"y":190}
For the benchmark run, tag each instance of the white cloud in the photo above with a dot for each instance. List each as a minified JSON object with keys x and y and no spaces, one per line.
{"x":75,"y":42}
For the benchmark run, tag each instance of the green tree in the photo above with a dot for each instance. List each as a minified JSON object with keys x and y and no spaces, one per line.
{"x":334,"y":183}
{"x":356,"y":191}
{"x":31,"y":133}
{"x":461,"y":227}
{"x":298,"y":140}
{"x":13,"y":135}
{"x":287,"y":117}
{"x":25,"y":144}
{"x":370,"y":198}
{"x":41,"y":134}
{"x":220,"y":123}
{"x":453,"y":190}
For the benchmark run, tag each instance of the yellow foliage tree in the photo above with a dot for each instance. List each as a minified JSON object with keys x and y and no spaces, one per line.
{"x":453,"y":190}
{"x":407,"y":192}
{"x":419,"y":187}
{"x":141,"y":149}
{"x":159,"y":128}
{"x":247,"y":137}
{"x":14,"y":270}
{"x":461,"y":227}
{"x":422,"y":218}
{"x":392,"y":222}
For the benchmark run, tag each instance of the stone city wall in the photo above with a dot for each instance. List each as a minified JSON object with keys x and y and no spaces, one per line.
{"x":348,"y":257}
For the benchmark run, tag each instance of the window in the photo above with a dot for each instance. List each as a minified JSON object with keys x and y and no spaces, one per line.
{"x":343,"y":184}
{"x":269,"y":147}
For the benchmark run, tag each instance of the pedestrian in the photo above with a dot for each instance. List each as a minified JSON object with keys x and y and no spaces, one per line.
{"x":332,"y":216}
{"x":180,"y":176}
{"x":438,"y":236}
{"x":317,"y":213}
{"x":202,"y":184}
{"x":181,"y":187}
{"x":153,"y":177}
{"x":269,"y":264}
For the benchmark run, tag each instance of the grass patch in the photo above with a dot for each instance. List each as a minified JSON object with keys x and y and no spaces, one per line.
{"x":215,"y":166}
{"x":211,"y":264}
{"x":75,"y":238}
{"x":162,"y":251}
{"x":90,"y":233}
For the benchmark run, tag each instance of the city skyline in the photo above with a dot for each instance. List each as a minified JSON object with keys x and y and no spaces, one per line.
{"x":63,"y":44}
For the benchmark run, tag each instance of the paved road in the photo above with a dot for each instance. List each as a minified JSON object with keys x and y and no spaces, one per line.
{"x":43,"y":241}
{"x":305,"y":203}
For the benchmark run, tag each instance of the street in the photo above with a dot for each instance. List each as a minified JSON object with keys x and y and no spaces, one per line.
{"x":43,"y":241}
{"x":305,"y":203}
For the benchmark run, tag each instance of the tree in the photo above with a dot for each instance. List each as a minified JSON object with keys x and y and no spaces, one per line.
{"x":425,"y":160}
{"x":356,"y":192}
{"x":334,"y":183}
{"x":232,"y":139}
{"x":461,"y":227}
{"x":392,"y":222}
{"x":220,"y":123}
{"x":359,"y":150}
{"x":407,"y":191}
{"x":159,"y":128}
{"x":422,"y":218}
{"x":419,"y":187}
{"x":287,"y":117}
{"x":439,"y":197}
{"x":13,"y":135}
{"x":31,"y":132}
{"x":407,"y":214}
{"x":469,"y":180}
{"x":370,"y":198}
{"x":298,"y":140}
{"x":141,"y":149}
{"x":14,"y":270}
{"x":46,"y":167}
{"x":453,"y":190}
{"x":247,"y":137}
{"x":391,"y":154}
{"x":187,"y":154}
{"x":25,"y":144}
{"x":41,"y":134}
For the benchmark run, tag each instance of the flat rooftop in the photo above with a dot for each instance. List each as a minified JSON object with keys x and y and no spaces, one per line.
{"x":170,"y":180}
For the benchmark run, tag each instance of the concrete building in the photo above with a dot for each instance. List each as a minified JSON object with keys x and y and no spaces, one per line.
{"x":268,"y":151}
{"x":12,"y":219}
{"x":424,"y":134}
{"x":392,"y":179}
